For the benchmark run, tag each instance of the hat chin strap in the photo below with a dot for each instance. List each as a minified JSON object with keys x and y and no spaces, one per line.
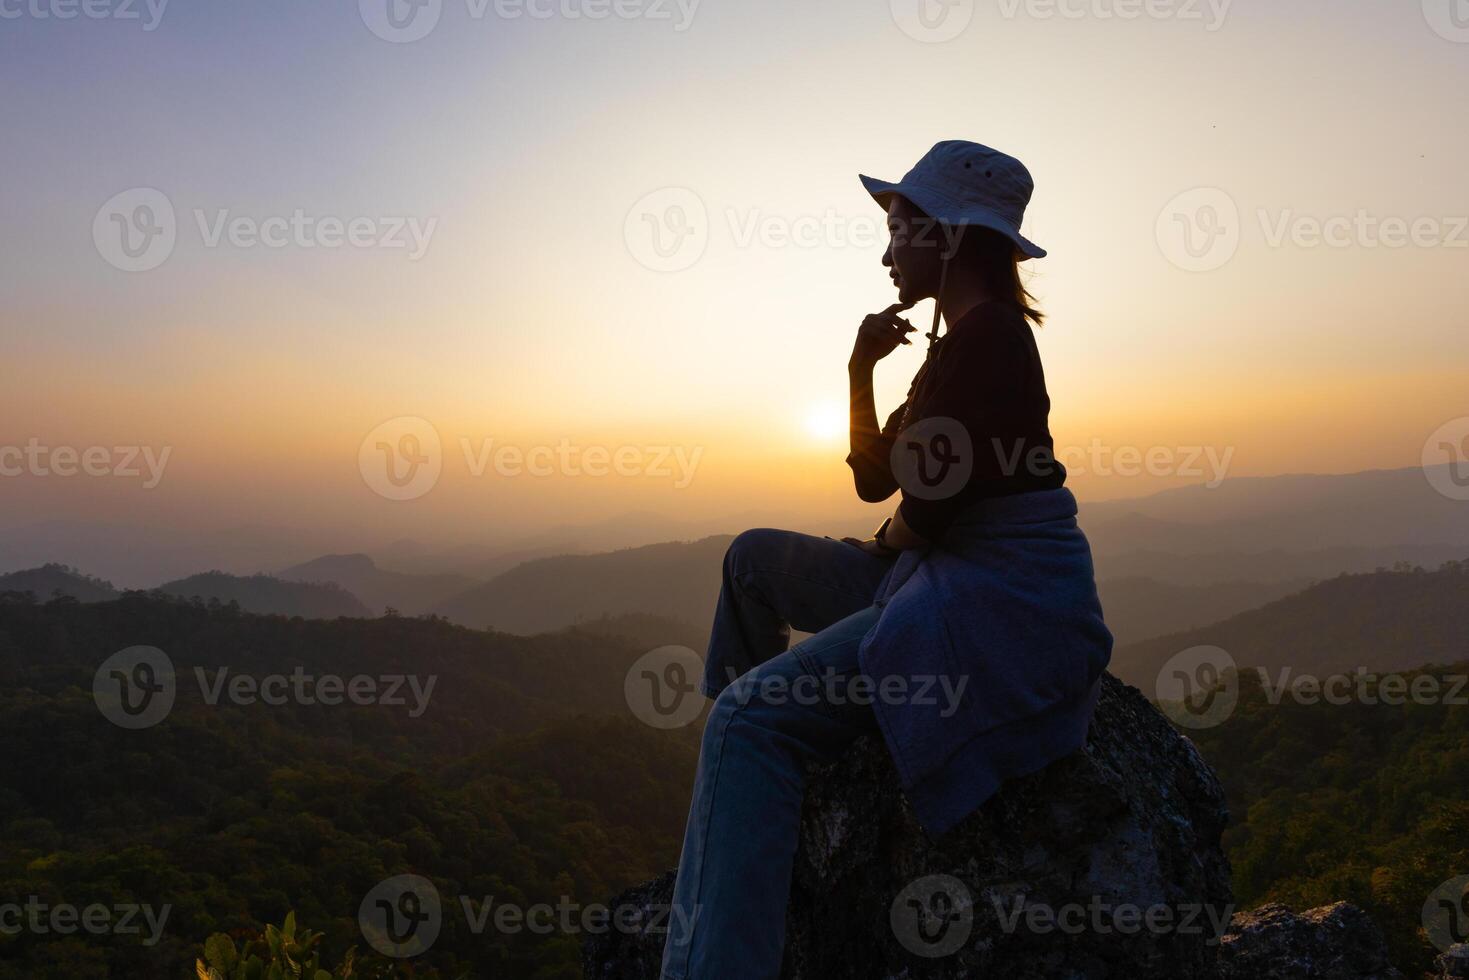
{"x":938,"y":307}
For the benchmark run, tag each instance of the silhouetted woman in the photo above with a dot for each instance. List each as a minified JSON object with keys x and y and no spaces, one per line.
{"x":967,"y":631}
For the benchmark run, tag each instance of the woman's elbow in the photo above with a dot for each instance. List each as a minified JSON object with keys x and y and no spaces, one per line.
{"x":874,"y":491}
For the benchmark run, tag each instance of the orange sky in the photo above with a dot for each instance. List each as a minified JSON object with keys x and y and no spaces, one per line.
{"x":542,"y":155}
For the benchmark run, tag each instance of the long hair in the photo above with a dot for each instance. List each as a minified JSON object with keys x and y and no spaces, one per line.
{"x":991,"y":256}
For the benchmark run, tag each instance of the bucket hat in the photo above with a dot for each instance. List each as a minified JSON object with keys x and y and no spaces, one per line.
{"x":963,"y":183}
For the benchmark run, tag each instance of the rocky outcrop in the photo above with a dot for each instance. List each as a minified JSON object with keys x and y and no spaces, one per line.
{"x":1454,"y":965}
{"x":1335,"y":942}
{"x":1107,"y":864}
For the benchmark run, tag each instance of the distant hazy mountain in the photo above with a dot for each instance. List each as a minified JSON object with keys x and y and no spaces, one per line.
{"x":134,"y":556}
{"x":1276,"y":568}
{"x":49,"y":581}
{"x":1140,"y":608}
{"x":379,"y":589}
{"x":1388,"y":620}
{"x":679,"y":581}
{"x":1375,"y":509}
{"x":1278,"y":529}
{"x":266,"y":595}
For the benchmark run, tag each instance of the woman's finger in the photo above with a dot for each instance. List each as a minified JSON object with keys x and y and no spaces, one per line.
{"x":876,"y":327}
{"x":882,"y":321}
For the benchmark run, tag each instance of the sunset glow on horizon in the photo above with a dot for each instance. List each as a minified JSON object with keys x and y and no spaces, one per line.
{"x":644,"y":235}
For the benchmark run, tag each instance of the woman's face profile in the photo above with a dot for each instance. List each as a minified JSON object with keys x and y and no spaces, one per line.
{"x":915,"y":251}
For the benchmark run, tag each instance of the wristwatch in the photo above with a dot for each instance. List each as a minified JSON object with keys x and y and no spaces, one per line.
{"x":880,"y":536}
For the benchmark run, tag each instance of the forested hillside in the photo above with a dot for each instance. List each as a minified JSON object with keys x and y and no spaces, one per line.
{"x":270,"y":596}
{"x":526,"y":779}
{"x":524,"y":775}
{"x":1362,"y":802}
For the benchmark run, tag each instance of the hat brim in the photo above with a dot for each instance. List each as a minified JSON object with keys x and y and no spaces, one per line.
{"x":950,"y":213}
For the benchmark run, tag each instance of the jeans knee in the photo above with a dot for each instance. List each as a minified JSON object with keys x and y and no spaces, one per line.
{"x":727,"y":705}
{"x":749,"y":548}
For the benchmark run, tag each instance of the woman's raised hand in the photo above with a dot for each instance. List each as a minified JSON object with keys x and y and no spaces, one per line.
{"x":880,"y":334}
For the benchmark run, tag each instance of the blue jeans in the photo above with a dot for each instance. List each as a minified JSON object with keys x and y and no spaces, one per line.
{"x":776,"y":712}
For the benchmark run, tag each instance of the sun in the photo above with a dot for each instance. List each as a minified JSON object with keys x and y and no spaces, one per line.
{"x":826,"y":422}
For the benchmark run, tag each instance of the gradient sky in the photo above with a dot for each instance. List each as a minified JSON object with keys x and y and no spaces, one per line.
{"x":531,"y":320}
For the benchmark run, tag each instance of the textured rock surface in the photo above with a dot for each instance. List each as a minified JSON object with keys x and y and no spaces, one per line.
{"x":1454,"y":965}
{"x":1335,"y":942}
{"x":1132,"y":822}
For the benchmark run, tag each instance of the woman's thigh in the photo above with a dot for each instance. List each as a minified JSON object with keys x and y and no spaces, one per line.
{"x":809,"y":582}
{"x":815,"y":690}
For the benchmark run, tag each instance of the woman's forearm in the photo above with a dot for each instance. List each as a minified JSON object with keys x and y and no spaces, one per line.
{"x":871,"y":469}
{"x":864,"y":426}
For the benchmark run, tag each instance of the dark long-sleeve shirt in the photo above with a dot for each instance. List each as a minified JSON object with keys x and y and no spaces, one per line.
{"x":983,"y":385}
